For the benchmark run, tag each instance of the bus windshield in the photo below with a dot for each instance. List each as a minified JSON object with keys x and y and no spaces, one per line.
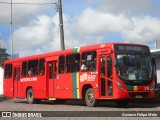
{"x":134,"y":67}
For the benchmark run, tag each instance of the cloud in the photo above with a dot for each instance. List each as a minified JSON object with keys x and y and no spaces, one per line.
{"x":143,"y":29}
{"x":40,"y":33}
{"x":124,"y":6}
{"x":96,"y":22}
{"x":90,"y":27}
{"x":34,"y":35}
{"x":22,"y":13}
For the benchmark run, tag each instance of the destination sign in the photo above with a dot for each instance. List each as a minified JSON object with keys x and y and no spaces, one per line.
{"x":124,"y":48}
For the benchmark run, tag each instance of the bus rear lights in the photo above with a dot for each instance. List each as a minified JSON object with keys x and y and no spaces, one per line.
{"x":119,"y":85}
{"x":152,"y":86}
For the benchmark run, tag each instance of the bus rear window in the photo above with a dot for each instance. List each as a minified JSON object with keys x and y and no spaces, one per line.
{"x":8,"y":70}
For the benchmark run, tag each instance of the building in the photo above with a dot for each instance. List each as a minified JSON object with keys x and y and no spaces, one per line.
{"x":14,"y":56}
{"x":1,"y":80}
{"x":156,"y":55}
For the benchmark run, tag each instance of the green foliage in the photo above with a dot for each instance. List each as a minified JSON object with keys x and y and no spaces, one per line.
{"x":2,"y":96}
{"x":3,"y":56}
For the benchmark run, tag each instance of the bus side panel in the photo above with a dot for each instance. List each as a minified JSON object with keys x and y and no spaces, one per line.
{"x":40,"y":89}
{"x":22,"y":91}
{"x":8,"y":87}
{"x":38,"y":84}
{"x":89,"y":79}
{"x":64,"y":87}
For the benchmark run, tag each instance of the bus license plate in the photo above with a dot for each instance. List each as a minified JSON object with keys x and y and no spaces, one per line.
{"x":138,"y":96}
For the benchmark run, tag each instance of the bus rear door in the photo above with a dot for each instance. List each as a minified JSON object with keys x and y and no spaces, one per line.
{"x":106,"y":75}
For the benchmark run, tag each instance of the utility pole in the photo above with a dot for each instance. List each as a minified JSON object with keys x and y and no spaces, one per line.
{"x":11,"y":37}
{"x":155,"y":44}
{"x":61,"y":25}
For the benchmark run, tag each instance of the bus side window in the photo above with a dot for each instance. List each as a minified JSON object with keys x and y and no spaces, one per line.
{"x":102,"y":62}
{"x":17,"y":73}
{"x":109,"y":67}
{"x":33,"y":68}
{"x":88,"y":62}
{"x":24,"y":69}
{"x":8,"y":70}
{"x":41,"y":66}
{"x":51,"y":70}
{"x":73,"y":62}
{"x":61,"y":63}
{"x":77,"y":63}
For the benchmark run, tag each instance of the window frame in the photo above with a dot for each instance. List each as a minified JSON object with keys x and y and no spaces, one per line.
{"x":73,"y":63}
{"x":24,"y":69}
{"x":61,"y":64}
{"x":8,"y":71}
{"x":41,"y":67}
{"x":90,"y":64}
{"x":33,"y":67}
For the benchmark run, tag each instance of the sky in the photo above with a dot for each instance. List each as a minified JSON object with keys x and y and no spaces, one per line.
{"x":86,"y":22}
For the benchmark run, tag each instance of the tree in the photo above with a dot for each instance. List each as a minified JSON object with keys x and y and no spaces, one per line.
{"x":3,"y":56}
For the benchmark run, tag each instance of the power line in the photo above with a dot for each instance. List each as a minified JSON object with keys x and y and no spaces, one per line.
{"x":29,"y":3}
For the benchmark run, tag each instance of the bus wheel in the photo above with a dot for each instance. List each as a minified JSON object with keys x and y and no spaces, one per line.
{"x":122,"y":102}
{"x":30,"y":96}
{"x":89,"y":98}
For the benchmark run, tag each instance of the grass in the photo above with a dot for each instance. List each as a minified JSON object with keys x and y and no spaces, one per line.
{"x":2,"y":96}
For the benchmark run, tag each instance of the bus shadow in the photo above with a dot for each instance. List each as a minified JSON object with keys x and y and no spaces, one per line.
{"x":132,"y":104}
{"x":111,"y":104}
{"x":3,"y":99}
{"x":49,"y":102}
{"x":67,"y":102}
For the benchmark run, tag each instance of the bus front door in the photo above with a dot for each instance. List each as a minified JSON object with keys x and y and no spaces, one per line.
{"x":52,"y":72}
{"x":106,"y":84}
{"x":16,"y":80}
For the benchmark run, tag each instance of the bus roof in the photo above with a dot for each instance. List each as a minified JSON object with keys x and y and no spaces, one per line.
{"x":70,"y":51}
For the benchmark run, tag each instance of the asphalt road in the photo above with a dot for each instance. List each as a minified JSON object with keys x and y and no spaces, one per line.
{"x":77,"y":108}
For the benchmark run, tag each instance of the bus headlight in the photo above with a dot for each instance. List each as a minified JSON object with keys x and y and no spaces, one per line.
{"x":152,"y":86}
{"x":119,"y":85}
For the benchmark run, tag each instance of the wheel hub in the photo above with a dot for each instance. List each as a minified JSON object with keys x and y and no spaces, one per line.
{"x":90,"y":97}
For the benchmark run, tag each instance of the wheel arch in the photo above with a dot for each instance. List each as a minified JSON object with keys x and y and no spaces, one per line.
{"x":29,"y":87}
{"x":84,"y":89}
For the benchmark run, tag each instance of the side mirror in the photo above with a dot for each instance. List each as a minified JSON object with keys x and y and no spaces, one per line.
{"x":115,"y":62}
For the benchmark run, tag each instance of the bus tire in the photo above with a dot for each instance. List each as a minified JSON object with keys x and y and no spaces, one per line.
{"x":30,"y":96}
{"x":89,"y":98}
{"x":122,"y":102}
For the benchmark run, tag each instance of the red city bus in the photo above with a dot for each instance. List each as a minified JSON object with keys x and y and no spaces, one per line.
{"x":110,"y":71}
